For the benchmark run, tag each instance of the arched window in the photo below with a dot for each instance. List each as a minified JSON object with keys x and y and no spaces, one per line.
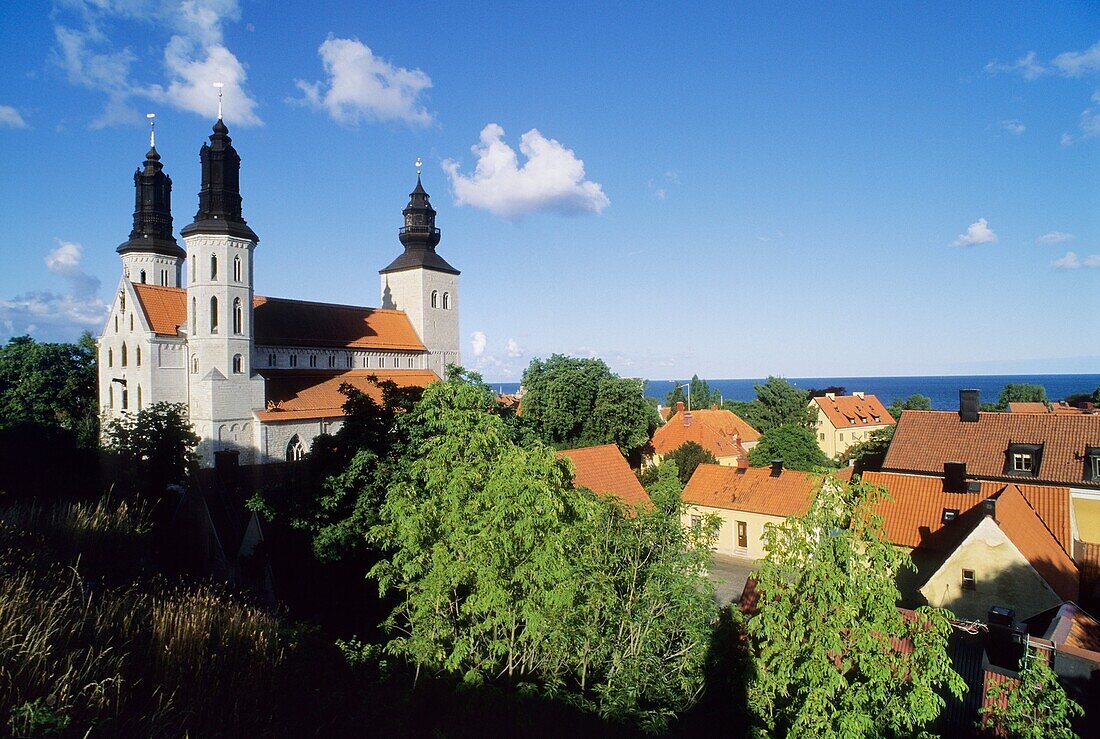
{"x":139,"y":397}
{"x":125,"y":399}
{"x":194,"y":276}
{"x":194,"y":365}
{"x":110,"y":357}
{"x":435,"y":298}
{"x":238,"y":316}
{"x":446,"y":301}
{"x":141,"y":277}
{"x":164,"y":278}
{"x":213,"y":266}
{"x":116,"y":324}
{"x":194,"y":317}
{"x":238,"y":364}
{"x":213,"y":314}
{"x":124,"y":354}
{"x":237,"y":268}
{"x":312,"y":360}
{"x":111,"y":396}
{"x":295,"y":450}
{"x":121,"y":302}
{"x":137,"y":355}
{"x":131,"y":321}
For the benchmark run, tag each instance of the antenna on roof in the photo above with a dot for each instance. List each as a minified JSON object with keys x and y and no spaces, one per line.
{"x":152,"y":129}
{"x":219,"y":85}
{"x":419,"y":164}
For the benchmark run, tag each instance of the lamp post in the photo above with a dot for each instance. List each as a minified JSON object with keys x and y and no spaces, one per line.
{"x":687,"y":384}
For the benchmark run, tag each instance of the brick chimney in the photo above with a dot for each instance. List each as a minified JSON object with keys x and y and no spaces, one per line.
{"x":777,"y":467}
{"x":969,"y":405}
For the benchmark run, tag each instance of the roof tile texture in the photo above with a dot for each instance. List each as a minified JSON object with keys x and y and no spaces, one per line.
{"x":303,"y":394}
{"x":753,"y":490}
{"x":924,"y":440}
{"x":604,"y":470}
{"x":851,"y":411}
{"x":712,"y":429}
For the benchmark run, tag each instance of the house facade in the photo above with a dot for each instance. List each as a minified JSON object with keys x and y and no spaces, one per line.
{"x":845,"y":420}
{"x":721,"y":432}
{"x":260,"y":376}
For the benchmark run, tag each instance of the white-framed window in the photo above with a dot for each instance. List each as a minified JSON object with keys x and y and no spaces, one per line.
{"x":238,"y":364}
{"x":446,"y":301}
{"x":295,"y":450}
{"x":1095,"y":466}
{"x":969,"y":580}
{"x":435,"y":298}
{"x":236,"y":268}
{"x":1022,"y":462}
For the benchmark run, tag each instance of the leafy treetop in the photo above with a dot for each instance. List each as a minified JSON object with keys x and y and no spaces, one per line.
{"x":796,"y":446}
{"x":777,"y":403}
{"x":1033,"y":707}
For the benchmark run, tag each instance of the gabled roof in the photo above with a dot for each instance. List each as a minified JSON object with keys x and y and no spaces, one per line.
{"x":302,"y":394}
{"x":1028,"y":407}
{"x":913,"y":514}
{"x":852,"y":411}
{"x":1026,"y":530}
{"x":924,"y":440}
{"x":754,"y":490}
{"x":281,"y":322}
{"x":604,"y":470}
{"x":712,"y":429}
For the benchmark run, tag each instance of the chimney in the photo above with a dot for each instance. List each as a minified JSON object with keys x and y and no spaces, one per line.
{"x":989,"y":508}
{"x":742,"y":464}
{"x":679,"y":406}
{"x":859,"y":395}
{"x":831,"y":396}
{"x":1007,"y":640}
{"x":777,"y":467}
{"x":954,"y":477}
{"x":968,"y":406}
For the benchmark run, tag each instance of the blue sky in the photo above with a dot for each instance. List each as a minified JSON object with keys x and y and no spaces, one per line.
{"x":724,"y":188}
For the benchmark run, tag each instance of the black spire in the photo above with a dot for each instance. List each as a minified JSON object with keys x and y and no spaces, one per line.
{"x":220,"y":196}
{"x":419,"y":235}
{"x":152,"y":211}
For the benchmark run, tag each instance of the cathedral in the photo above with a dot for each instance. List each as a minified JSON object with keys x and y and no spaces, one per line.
{"x":260,"y":376}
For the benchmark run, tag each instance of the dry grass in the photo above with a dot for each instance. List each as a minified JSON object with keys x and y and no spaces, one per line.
{"x":141,"y":659}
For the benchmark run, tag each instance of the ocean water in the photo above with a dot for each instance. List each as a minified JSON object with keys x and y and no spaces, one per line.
{"x":943,"y":390}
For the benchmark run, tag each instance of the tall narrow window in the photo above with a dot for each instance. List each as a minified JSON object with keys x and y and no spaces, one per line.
{"x":121,"y":302}
{"x":349,"y":361}
{"x":742,"y":534}
{"x":293,"y":360}
{"x":969,"y":581}
{"x":125,"y":399}
{"x":332,"y":360}
{"x":237,"y":269}
{"x":194,"y":317}
{"x":141,"y":277}
{"x":194,"y":276}
{"x":194,"y":365}
{"x":238,"y":364}
{"x":164,"y":278}
{"x":435,"y":298}
{"x":116,"y":324}
{"x":213,"y":314}
{"x":124,"y":354}
{"x":271,"y":360}
{"x":139,"y":398}
{"x":446,"y":301}
{"x":312,"y":360}
{"x":213,"y":266}
{"x":110,"y":357}
{"x":295,"y":450}
{"x":131,"y":321}
{"x":238,"y":316}
{"x":111,"y":396}
{"x":137,"y":355}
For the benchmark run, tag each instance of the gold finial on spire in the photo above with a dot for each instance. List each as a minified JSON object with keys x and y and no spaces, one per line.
{"x":152,"y":129}
{"x":219,"y":85}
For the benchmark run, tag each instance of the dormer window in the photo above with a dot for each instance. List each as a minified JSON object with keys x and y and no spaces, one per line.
{"x":1023,"y":459}
{"x":1092,"y":463}
{"x":950,"y":514}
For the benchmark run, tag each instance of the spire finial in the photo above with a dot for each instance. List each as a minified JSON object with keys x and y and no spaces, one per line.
{"x":419,"y":164}
{"x":152,"y":129}
{"x":219,"y":85}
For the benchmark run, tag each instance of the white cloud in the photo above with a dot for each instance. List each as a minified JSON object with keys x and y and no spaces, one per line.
{"x":1027,"y":66}
{"x":55,"y":315}
{"x":1088,"y":124}
{"x":478,"y":340}
{"x":977,"y":232}
{"x":194,"y":57}
{"x":10,"y":117}
{"x":1054,"y":237}
{"x":552,"y":178}
{"x":1072,"y":261}
{"x":1078,"y":63}
{"x":1013,"y":126}
{"x":514,"y":349}
{"x":361,"y":86}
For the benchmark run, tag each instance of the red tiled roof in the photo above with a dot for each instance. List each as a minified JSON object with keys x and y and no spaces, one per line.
{"x":281,"y":322}
{"x":1028,"y":407}
{"x":1047,"y":555}
{"x":301,"y":394}
{"x":714,"y":430}
{"x":924,"y":440}
{"x":165,"y":308}
{"x":850,"y":411}
{"x":753,"y":490}
{"x":913,"y":516}
{"x":603,"y":470}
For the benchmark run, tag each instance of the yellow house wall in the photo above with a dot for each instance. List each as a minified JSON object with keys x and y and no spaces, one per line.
{"x":834,"y":441}
{"x":1003,"y":578}
{"x":727,"y":534}
{"x":1086,"y":511}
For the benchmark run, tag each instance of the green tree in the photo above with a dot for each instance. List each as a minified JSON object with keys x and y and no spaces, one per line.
{"x":52,"y":385}
{"x":796,"y":446}
{"x":915,"y":402}
{"x":822,"y":640}
{"x":662,"y":483}
{"x":1021,"y":392}
{"x":508,"y":574}
{"x":777,"y":403}
{"x":572,"y":402}
{"x":699,"y":392}
{"x":869,"y":453}
{"x":153,"y":448}
{"x":1034,"y":707}
{"x":687,"y":457}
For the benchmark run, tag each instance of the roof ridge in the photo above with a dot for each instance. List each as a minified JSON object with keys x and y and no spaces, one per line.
{"x":326,"y":304}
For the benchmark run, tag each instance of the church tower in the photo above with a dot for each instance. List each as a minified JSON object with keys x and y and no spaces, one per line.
{"x":151,"y":254}
{"x":222,"y":388}
{"x":422,"y":284}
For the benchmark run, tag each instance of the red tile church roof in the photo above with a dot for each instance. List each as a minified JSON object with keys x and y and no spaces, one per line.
{"x":294,"y":395}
